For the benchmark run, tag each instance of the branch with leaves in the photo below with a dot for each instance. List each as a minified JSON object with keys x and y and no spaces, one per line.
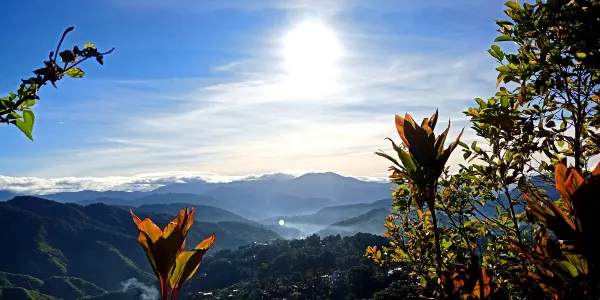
{"x":16,"y":108}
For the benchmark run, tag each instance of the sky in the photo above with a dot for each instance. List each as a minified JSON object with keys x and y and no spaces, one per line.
{"x":237,"y":87}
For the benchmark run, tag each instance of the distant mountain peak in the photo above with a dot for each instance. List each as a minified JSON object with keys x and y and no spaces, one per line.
{"x":272,"y":176}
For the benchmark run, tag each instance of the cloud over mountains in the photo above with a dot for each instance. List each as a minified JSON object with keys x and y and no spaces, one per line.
{"x":141,"y":182}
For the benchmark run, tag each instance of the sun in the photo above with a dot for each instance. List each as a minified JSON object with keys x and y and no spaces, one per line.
{"x":311,"y":52}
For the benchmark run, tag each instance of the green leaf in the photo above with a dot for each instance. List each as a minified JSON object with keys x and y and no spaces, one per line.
{"x":75,"y":72}
{"x":423,"y":281}
{"x":26,"y":125}
{"x":513,"y":5}
{"x":481,"y":103}
{"x":504,"y":22}
{"x":503,"y":69}
{"x":187,"y":262}
{"x":89,"y":45}
{"x":467,"y":154}
{"x":508,"y":156}
{"x":566,"y":268}
{"x":504,"y":101}
{"x":580,"y":55}
{"x":503,"y":38}
{"x":498,"y":51}
{"x":560,"y":143}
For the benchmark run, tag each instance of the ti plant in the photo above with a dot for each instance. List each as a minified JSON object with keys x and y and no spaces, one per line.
{"x":566,"y":251}
{"x":421,"y":164}
{"x":164,"y":249}
{"x":16,"y":108}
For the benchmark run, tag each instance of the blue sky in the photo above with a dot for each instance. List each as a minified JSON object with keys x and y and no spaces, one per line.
{"x":205,"y":87}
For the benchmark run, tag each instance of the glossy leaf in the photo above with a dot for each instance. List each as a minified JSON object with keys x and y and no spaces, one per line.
{"x":187,"y":262}
{"x":503,"y":38}
{"x":26,"y":124}
{"x":75,"y":72}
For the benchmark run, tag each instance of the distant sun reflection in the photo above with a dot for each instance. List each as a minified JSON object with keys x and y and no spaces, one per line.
{"x":281,"y":222}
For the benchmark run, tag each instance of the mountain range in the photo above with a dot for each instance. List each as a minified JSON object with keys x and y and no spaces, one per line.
{"x":44,"y":239}
{"x":262,"y":197}
{"x":48,"y":248}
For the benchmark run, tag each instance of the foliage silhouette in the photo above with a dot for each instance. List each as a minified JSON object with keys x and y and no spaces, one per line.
{"x":16,"y":108}
{"x":544,"y":115}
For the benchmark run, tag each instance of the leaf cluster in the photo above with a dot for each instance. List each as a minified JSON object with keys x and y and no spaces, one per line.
{"x":16,"y":108}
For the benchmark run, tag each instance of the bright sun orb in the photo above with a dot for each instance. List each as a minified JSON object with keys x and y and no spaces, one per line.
{"x":281,"y":222}
{"x":310,"y":51}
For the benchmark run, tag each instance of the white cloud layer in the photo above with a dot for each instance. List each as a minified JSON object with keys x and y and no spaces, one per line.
{"x":140,"y":182}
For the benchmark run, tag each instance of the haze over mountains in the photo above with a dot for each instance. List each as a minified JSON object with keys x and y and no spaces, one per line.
{"x":62,"y":236}
{"x":266,"y":196}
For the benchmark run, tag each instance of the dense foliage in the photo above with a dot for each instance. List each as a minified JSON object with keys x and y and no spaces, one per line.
{"x":60,"y":243}
{"x":68,"y":240}
{"x":544,"y":116}
{"x":313,"y":268}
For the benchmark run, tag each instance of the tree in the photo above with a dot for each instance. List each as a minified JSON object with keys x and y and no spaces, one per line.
{"x":546,"y":113}
{"x":495,"y":240}
{"x":16,"y":108}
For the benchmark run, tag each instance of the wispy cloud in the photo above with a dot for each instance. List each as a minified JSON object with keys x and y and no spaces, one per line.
{"x":252,"y":119}
{"x":253,"y":123}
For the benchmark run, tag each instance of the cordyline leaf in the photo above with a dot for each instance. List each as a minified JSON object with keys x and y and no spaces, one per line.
{"x":538,"y":211}
{"x":446,"y":154}
{"x":439,"y":142}
{"x":184,"y":219}
{"x":400,"y":128}
{"x":552,"y":215}
{"x":188,"y":262}
{"x":486,"y":277}
{"x":565,"y":268}
{"x":433,"y":120}
{"x":407,"y":161}
{"x":163,"y":246}
{"x":148,"y":227}
{"x":579,"y":262}
{"x":596,"y":171}
{"x":429,"y":124}
{"x":390,"y":158}
{"x":585,"y":202}
{"x":420,"y":142}
{"x":567,"y":181}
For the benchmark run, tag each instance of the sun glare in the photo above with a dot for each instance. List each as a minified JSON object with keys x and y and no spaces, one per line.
{"x":311,"y":52}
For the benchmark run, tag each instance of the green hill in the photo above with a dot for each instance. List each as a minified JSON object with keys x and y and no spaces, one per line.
{"x":96,"y":243}
{"x":203,"y":213}
{"x":16,"y":293}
